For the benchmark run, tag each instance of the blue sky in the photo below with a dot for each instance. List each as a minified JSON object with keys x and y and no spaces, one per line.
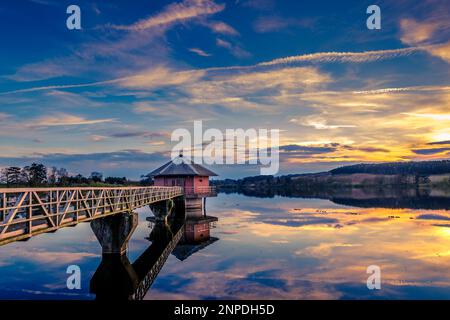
{"x":107,"y":97}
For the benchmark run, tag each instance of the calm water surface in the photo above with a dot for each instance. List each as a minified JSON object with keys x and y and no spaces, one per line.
{"x":268,"y":248}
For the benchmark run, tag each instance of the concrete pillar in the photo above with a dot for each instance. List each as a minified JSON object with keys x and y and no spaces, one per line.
{"x":113,"y":232}
{"x":162,"y":209}
{"x":180,"y":207}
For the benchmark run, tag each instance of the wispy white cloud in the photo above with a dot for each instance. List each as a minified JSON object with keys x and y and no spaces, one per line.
{"x":199,"y":52}
{"x":432,"y":33}
{"x":62,"y":120}
{"x":414,"y":32}
{"x":356,"y":57}
{"x":404,"y":89}
{"x":234,"y":49}
{"x":176,"y":12}
{"x":162,"y":75}
{"x":138,"y":49}
{"x":442,"y":51}
{"x":38,"y":255}
{"x":97,"y":138}
{"x":320,"y":123}
{"x":221,"y":28}
{"x":58,"y":87}
{"x":432,"y":116}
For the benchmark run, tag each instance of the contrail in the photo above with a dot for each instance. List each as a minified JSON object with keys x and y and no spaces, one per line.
{"x":357,"y":57}
{"x":403,"y":89}
{"x":320,"y":57}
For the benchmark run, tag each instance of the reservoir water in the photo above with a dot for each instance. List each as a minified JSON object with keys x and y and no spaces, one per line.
{"x":263,"y":248}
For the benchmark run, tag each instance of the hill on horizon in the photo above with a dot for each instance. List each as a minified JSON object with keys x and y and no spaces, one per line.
{"x":421,"y":168}
{"x":395,"y":168}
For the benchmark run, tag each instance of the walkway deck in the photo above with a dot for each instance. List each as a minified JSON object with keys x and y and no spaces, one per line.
{"x":26,"y":212}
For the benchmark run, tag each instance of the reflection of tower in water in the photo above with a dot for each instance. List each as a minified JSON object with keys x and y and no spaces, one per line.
{"x":197,"y":229}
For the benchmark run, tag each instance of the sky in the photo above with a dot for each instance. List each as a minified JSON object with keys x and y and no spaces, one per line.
{"x":107,"y":97}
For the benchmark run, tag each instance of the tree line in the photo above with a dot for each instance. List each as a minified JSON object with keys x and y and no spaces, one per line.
{"x":393,"y":174}
{"x":394,"y":168}
{"x":37,"y":175}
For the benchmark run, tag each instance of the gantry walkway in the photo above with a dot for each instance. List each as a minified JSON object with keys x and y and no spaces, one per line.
{"x":26,"y":212}
{"x":150,"y":263}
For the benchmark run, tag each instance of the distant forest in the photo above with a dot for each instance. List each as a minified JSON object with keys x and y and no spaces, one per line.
{"x":394,"y":168}
{"x":38,"y":175}
{"x":393,"y":174}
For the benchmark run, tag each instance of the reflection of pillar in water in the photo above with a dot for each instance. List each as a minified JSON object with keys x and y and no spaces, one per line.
{"x":118,"y":279}
{"x":161,"y":232}
{"x":114,"y":279}
{"x":194,"y":208}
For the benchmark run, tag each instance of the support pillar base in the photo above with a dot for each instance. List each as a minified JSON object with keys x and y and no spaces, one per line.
{"x":114,"y":232}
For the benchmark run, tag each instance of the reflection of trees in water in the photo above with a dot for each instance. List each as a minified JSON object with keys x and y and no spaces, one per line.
{"x":423,"y":202}
{"x":385,"y":197}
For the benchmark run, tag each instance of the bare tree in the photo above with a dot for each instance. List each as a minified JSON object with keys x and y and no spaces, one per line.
{"x":52,"y":177}
{"x":12,"y":176}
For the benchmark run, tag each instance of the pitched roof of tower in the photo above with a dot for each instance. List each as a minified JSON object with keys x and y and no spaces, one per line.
{"x":182,"y":167}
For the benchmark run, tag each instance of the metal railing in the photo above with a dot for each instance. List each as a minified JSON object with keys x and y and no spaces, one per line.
{"x":205,"y":191}
{"x":150,"y":277}
{"x":25,"y":212}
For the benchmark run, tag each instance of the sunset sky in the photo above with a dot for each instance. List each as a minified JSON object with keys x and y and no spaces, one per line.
{"x":107,"y":97}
